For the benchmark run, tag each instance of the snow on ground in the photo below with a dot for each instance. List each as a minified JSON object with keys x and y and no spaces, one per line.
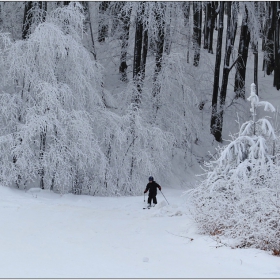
{"x":45,"y":235}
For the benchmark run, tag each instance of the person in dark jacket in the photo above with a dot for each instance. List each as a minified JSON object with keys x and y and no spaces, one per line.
{"x":152,"y":188}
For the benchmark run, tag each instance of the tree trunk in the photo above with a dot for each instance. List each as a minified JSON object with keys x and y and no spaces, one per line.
{"x":269,"y":46}
{"x":197,"y":18}
{"x":213,"y":16}
{"x":239,"y":83}
{"x":116,"y":9}
{"x":265,"y":32}
{"x":30,"y":16}
{"x":229,"y":45}
{"x":276,"y":80}
{"x":207,"y":21}
{"x":167,"y":32}
{"x":103,"y":26}
{"x":214,"y":120}
{"x":159,"y":53}
{"x":88,"y":21}
{"x":43,"y":136}
{"x":144,"y":54}
{"x":216,"y":19}
{"x":137,"y":77}
{"x":27,"y":19}
{"x":255,"y":47}
{"x":137,"y":54}
{"x":125,"y":22}
{"x":186,"y":10}
{"x":255,"y":52}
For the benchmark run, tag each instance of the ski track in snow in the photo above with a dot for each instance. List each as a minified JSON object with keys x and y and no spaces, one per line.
{"x":45,"y":235}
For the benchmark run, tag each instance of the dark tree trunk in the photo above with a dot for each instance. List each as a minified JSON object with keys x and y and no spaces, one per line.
{"x":137,"y":48}
{"x":256,"y":59}
{"x":27,"y":19}
{"x":255,"y":49}
{"x":213,"y":16}
{"x":103,"y":26}
{"x":159,"y":53}
{"x":269,"y":46}
{"x":265,"y":32}
{"x":125,"y":23}
{"x":197,"y":19}
{"x":137,"y":77}
{"x":144,"y":54}
{"x":276,"y":80}
{"x":43,"y":5}
{"x":223,"y":93}
{"x":167,"y":34}
{"x":214,"y":116}
{"x":229,"y":45}
{"x":137,"y":54}
{"x":43,"y":136}
{"x":216,"y":18}
{"x":207,"y":21}
{"x":239,"y":83}
{"x":186,"y":10}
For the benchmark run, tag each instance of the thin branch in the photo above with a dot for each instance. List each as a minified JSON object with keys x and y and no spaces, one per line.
{"x":234,"y":63}
{"x":191,"y":239}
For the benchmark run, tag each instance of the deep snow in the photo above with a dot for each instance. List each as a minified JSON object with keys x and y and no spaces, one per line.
{"x":46,"y":235}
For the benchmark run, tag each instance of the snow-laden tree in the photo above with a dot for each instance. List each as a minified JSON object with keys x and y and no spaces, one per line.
{"x":177,"y":102}
{"x":239,"y":198}
{"x":50,"y":106}
{"x":55,"y":130}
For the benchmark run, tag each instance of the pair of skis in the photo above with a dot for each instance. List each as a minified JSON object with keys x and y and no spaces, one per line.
{"x":149,"y":207}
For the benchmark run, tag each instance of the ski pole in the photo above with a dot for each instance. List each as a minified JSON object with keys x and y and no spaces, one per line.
{"x":164,"y":197}
{"x":144,"y":197}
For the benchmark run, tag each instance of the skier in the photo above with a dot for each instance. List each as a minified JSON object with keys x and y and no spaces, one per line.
{"x":152,"y":188}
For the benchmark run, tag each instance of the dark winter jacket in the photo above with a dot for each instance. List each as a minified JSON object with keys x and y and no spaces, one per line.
{"x":152,"y":188}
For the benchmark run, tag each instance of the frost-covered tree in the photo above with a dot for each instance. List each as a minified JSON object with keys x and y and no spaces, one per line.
{"x":50,"y":105}
{"x":239,"y":198}
{"x":34,"y":13}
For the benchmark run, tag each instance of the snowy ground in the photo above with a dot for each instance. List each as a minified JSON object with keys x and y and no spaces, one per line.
{"x":45,"y":235}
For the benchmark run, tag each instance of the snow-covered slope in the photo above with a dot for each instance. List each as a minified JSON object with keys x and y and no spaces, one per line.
{"x":45,"y":235}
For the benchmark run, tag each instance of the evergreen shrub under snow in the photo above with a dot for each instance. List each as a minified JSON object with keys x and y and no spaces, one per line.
{"x":239,"y":198}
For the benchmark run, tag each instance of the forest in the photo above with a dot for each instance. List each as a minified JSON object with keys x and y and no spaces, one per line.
{"x":66,"y":126}
{"x":97,"y":96}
